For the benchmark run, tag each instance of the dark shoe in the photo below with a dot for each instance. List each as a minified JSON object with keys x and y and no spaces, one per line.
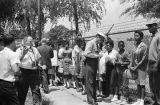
{"x":94,"y":103}
{"x":98,"y":100}
{"x":89,"y":102}
{"x":79,"y":90}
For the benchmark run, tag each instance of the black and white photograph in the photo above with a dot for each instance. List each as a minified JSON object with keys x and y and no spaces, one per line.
{"x":79,"y":52}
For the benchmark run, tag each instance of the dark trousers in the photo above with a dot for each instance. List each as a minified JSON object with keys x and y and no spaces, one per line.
{"x":8,"y":94}
{"x":91,"y":66}
{"x":44,"y":80}
{"x":29,"y":78}
{"x":109,"y":80}
{"x":154,"y":78}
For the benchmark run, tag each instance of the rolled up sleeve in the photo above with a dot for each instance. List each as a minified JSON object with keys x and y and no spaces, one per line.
{"x":89,"y":52}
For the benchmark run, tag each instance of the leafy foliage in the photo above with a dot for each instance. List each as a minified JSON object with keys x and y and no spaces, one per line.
{"x":7,"y":9}
{"x":60,"y":33}
{"x":87,"y":10}
{"x":145,"y":8}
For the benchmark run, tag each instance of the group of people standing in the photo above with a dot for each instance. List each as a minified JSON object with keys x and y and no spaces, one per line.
{"x":115,"y":68}
{"x":95,"y":68}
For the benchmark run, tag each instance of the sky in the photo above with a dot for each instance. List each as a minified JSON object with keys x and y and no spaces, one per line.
{"x":112,"y":16}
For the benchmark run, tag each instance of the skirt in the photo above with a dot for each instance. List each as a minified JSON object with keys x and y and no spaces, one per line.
{"x":82,"y":73}
{"x":51,"y":71}
{"x":141,"y":80}
{"x":68,"y":67}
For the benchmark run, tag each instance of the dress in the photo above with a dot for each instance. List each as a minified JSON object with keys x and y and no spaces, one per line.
{"x":82,"y":73}
{"x":139,"y":60}
{"x":76,"y":53}
{"x":54,"y":62}
{"x":67,"y":62}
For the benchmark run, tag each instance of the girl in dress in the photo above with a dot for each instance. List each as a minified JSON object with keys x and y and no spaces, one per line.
{"x":67,"y":63}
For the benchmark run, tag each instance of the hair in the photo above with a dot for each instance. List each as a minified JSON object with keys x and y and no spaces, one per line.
{"x":111,"y":42}
{"x":140,"y":33}
{"x":84,"y":44}
{"x":121,"y":42}
{"x":78,"y":41}
{"x":1,"y":34}
{"x":8,"y":39}
{"x":66,"y":42}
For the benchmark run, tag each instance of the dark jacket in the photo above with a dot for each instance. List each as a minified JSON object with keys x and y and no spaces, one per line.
{"x":46,"y":53}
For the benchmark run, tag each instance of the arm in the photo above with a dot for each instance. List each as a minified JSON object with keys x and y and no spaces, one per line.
{"x":88,"y":51}
{"x":14,"y":62}
{"x":126,"y":57}
{"x":51,"y":55}
{"x":130,"y":66}
{"x":144,"y":58}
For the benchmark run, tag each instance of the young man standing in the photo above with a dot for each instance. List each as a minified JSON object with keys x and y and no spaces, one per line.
{"x":92,"y":57}
{"x":8,"y":68}
{"x":154,"y":62}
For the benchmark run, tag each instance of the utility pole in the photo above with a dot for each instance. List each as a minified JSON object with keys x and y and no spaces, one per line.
{"x":39,"y":20}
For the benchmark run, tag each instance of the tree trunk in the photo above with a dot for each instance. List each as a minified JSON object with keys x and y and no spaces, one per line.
{"x":39,"y":20}
{"x":76,"y":16}
{"x":28,"y":26}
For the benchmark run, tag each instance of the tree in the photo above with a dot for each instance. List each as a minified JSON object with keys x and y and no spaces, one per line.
{"x":59,"y":33}
{"x":79,"y":11}
{"x":145,"y":8}
{"x":6,"y":9}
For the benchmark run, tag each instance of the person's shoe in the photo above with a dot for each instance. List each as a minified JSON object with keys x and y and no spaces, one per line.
{"x":109,"y":97}
{"x":79,"y":90}
{"x":84,"y":93}
{"x":137,"y":102}
{"x":94,"y":103}
{"x":50,"y":85}
{"x":122,"y":99}
{"x":119,"y":101}
{"x":124,"y":102}
{"x":98,"y":100}
{"x":141,"y":102}
{"x":115,"y":98}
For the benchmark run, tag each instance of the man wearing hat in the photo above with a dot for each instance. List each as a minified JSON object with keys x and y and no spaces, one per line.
{"x":154,"y":62}
{"x":92,"y":57}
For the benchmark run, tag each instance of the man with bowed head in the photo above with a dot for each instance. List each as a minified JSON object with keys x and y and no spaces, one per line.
{"x":92,"y":57}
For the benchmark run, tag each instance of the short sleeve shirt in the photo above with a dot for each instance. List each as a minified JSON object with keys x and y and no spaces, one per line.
{"x":31,"y":56}
{"x":7,"y":59}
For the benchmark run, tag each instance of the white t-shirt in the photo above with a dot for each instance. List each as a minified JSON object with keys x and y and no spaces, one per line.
{"x":54,"y":60}
{"x":61,"y":50}
{"x":8,"y":58}
{"x":75,"y":51}
{"x":104,"y":59}
{"x":31,"y":56}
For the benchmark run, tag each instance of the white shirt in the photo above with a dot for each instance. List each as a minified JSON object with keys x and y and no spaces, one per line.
{"x":54,"y":60}
{"x":91,"y":49}
{"x":75,"y":51}
{"x":61,"y":50}
{"x":31,"y":56}
{"x":104,"y":59}
{"x":8,"y":58}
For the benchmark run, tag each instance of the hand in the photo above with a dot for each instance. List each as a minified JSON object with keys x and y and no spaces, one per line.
{"x":83,"y":58}
{"x":100,"y":55}
{"x":132,"y":68}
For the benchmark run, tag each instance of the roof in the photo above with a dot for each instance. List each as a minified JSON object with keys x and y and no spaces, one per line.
{"x":138,"y":24}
